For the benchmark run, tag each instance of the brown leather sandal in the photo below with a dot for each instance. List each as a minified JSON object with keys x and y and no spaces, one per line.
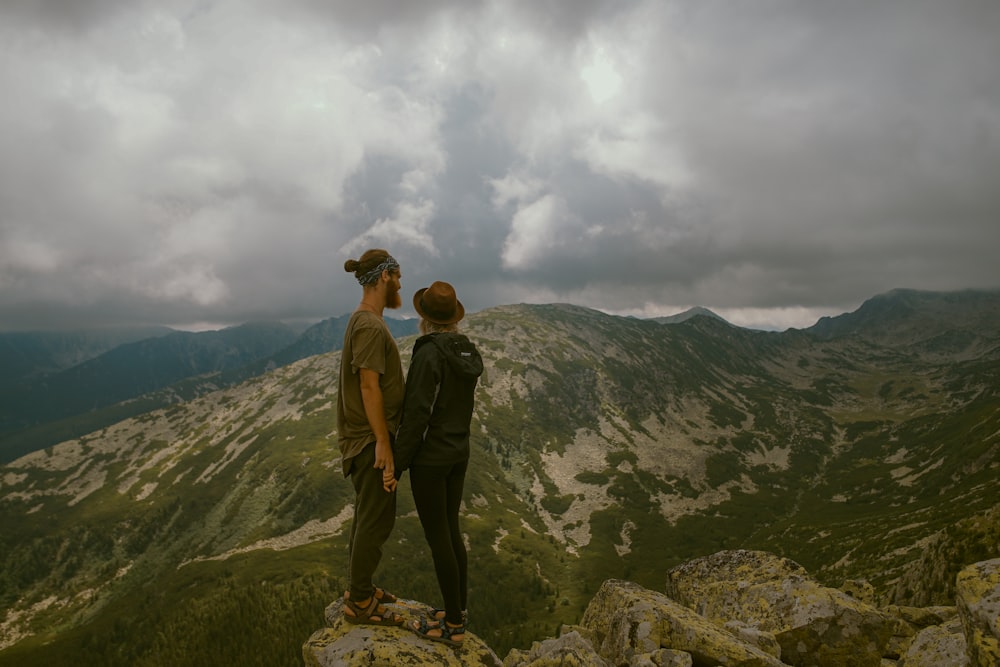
{"x":385,"y":596}
{"x":381,"y":595}
{"x":371,"y":614}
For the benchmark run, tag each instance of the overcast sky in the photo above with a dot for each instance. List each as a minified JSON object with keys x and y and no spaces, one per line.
{"x":199,"y":163}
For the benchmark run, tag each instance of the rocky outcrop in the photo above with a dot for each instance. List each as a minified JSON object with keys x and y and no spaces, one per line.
{"x":977,"y":592}
{"x":630,"y":623}
{"x":813,"y":624}
{"x":937,"y":646}
{"x":573,"y":648}
{"x":733,"y":608}
{"x":342,"y":644}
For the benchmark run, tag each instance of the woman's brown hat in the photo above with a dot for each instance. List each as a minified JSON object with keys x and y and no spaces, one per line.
{"x":438,"y":304}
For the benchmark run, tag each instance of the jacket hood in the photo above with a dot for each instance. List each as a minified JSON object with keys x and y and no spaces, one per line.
{"x":460,"y":353}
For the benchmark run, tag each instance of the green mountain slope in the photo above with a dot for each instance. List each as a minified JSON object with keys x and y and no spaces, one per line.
{"x":136,"y":368}
{"x":29,"y":355}
{"x":214,"y":530}
{"x":135,"y":378}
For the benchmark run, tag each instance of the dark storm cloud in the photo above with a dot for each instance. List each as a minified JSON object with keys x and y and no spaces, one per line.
{"x":218,"y":161}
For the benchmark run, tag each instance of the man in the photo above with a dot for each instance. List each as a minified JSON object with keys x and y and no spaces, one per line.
{"x":369,"y":406}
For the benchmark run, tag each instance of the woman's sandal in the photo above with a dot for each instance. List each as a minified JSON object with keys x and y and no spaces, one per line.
{"x":371,"y":614}
{"x":423,"y":628}
{"x":439,"y":614}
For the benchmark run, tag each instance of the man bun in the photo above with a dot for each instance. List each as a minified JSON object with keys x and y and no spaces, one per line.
{"x":370,"y":266}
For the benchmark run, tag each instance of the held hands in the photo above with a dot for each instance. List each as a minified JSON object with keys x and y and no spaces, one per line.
{"x":383,"y":461}
{"x":388,"y":481}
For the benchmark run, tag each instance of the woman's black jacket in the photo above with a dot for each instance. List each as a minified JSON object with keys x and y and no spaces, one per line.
{"x":440,"y":396}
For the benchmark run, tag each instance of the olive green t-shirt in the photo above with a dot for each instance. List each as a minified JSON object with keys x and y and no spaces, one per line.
{"x":367,"y":344}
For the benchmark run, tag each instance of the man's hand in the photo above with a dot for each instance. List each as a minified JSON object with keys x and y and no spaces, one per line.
{"x":384,"y":462}
{"x":388,"y":482}
{"x":383,"y":457}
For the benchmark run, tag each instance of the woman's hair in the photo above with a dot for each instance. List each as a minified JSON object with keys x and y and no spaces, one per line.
{"x":427,"y":327}
{"x":371,"y":265}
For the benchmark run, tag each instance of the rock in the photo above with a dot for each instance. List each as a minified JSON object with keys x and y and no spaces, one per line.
{"x":977,"y":593}
{"x":344,"y":644}
{"x":813,"y":624}
{"x":859,"y":589}
{"x":731,"y":609}
{"x":942,"y":612}
{"x":922,"y":617}
{"x":937,"y":646}
{"x":565,"y":629}
{"x":570,"y":650}
{"x":898,"y":645}
{"x":914,"y":619}
{"x":750,"y":567}
{"x":910,"y":620}
{"x":665,"y":657}
{"x":631,"y":623}
{"x":765,"y":641}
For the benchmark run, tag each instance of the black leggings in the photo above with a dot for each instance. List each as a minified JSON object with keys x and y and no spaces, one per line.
{"x":437,"y":493}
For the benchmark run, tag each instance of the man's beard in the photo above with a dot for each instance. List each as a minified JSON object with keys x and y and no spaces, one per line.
{"x":392,"y":299}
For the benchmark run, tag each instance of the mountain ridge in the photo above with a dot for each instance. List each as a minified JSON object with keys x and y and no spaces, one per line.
{"x":688,"y":314}
{"x":27,"y":355}
{"x":925,"y":315}
{"x":603,"y":447}
{"x":141,"y":375}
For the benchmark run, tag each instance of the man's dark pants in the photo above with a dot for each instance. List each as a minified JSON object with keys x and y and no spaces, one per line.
{"x":374,"y":517}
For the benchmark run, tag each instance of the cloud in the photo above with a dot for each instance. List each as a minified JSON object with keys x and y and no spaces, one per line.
{"x":407,"y":227}
{"x":195,"y":283}
{"x":537,"y":229}
{"x":218,"y":161}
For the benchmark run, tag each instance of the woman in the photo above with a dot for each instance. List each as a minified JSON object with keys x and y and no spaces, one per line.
{"x":433,"y":443}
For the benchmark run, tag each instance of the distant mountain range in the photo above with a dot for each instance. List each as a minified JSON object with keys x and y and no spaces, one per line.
{"x":30,"y":355}
{"x":51,"y":399}
{"x":212,"y":530}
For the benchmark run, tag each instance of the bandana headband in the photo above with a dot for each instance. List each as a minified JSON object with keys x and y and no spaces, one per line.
{"x":388,"y":264}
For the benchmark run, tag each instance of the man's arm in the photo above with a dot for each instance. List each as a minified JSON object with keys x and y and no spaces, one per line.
{"x":371,"y":396}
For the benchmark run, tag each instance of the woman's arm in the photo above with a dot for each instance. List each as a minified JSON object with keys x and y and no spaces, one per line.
{"x":421,"y":388}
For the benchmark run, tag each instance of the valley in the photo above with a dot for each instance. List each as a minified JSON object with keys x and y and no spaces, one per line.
{"x":867,"y":447}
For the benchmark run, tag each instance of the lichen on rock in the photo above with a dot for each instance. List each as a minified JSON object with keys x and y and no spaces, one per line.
{"x":977,"y":593}
{"x":343,"y":644}
{"x":629,"y":621}
{"x":732,"y":608}
{"x":813,"y":624}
